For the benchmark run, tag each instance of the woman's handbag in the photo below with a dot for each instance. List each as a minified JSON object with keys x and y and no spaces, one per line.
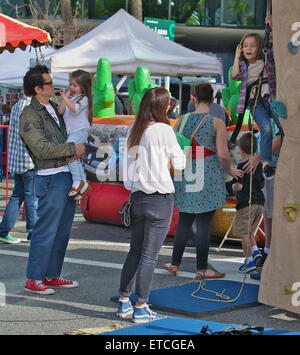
{"x":124,"y":211}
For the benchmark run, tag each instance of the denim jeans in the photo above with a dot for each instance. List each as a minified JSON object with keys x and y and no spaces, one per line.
{"x":151,"y":218}
{"x":76,"y":168}
{"x":23,"y":192}
{"x":183,"y":232}
{"x":263,"y":117}
{"x":52,"y":229}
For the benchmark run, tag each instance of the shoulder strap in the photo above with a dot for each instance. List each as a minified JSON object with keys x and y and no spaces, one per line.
{"x":198,"y":126}
{"x":182,"y":123}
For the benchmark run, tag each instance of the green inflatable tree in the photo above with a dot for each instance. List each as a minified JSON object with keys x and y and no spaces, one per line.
{"x":139,"y":85}
{"x":103,"y":90}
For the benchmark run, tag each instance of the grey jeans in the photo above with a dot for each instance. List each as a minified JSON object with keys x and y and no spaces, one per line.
{"x":151,"y":218}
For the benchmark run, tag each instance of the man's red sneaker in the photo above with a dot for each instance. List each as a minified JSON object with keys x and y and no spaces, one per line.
{"x":58,"y":282}
{"x":38,"y":287}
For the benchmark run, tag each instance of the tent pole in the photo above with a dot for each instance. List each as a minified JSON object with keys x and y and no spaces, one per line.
{"x":167,"y":83}
{"x":121,"y":82}
{"x":180,"y":96}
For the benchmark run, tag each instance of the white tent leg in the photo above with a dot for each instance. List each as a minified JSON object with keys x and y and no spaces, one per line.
{"x":180,"y":96}
{"x":121,"y":82}
{"x":167,"y":83}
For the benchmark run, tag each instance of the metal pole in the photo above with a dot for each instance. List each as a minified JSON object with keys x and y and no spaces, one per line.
{"x":126,"y":5}
{"x":170,"y":9}
{"x":180,"y":96}
{"x":82,"y":8}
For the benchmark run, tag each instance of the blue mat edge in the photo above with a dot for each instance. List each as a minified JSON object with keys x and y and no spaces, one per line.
{"x":214,"y":326}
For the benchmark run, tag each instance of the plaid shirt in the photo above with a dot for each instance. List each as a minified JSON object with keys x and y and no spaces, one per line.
{"x":19,"y":160}
{"x":270,"y":69}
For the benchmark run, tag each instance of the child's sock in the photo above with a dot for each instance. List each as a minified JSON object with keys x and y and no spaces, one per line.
{"x":85,"y":186}
{"x":76,"y":184}
{"x":266,"y":250}
{"x":248,"y":259}
{"x":254,"y":248}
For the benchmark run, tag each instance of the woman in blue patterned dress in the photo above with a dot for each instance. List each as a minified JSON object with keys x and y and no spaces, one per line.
{"x":202,"y":187}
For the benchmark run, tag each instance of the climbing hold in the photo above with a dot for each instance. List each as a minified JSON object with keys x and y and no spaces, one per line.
{"x":279,"y":109}
{"x":292,"y":48}
{"x":288,"y":290}
{"x":290,"y":211}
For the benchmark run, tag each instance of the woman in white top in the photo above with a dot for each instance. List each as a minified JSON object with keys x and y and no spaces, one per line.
{"x":76,"y":108}
{"x":151,"y":146}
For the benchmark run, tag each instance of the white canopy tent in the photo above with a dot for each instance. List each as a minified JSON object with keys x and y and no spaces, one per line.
{"x":128,"y":43}
{"x":13,"y":66}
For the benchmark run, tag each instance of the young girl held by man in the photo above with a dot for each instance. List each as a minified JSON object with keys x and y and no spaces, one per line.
{"x":76,"y":108}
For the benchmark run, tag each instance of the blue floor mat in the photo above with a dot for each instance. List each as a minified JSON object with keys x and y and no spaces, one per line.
{"x":178,"y":299}
{"x":182,"y":326}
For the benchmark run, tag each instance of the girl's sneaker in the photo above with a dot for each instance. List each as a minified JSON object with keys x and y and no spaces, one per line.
{"x":76,"y":188}
{"x":145,"y":315}
{"x":257,"y":258}
{"x":124,"y":309}
{"x":84,"y":191}
{"x":268,"y":173}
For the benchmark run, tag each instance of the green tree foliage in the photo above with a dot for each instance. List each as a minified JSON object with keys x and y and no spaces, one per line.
{"x":181,"y":10}
{"x":239,"y":7}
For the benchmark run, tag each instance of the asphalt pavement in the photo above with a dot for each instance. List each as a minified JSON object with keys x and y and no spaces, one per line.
{"x":94,"y":258}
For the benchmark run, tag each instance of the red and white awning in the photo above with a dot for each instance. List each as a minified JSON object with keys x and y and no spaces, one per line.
{"x":16,"y":34}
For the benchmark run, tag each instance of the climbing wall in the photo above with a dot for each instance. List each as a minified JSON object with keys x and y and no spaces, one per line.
{"x":282,"y":268}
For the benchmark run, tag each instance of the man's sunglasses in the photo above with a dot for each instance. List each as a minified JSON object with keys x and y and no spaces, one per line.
{"x":47,"y":83}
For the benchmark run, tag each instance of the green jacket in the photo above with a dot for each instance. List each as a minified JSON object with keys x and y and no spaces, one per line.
{"x":44,"y":139}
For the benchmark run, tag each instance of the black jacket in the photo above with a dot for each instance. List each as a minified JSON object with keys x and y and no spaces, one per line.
{"x":257,"y":185}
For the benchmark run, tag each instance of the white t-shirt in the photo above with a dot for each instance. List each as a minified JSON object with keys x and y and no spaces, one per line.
{"x":61,"y":169}
{"x":150,"y":172}
{"x":78,"y":120}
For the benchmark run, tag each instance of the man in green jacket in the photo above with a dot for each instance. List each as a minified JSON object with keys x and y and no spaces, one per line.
{"x":44,"y":134}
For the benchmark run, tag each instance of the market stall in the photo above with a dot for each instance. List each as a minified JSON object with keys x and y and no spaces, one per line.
{"x":15,"y":34}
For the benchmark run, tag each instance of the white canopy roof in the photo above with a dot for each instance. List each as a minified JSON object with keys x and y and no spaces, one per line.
{"x":13,"y":66}
{"x":128,"y":43}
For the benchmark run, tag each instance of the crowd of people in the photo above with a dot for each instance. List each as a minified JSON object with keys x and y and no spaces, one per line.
{"x":47,"y":144}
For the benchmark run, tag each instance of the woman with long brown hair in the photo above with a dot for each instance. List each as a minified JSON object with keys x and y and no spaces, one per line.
{"x":151,"y":145}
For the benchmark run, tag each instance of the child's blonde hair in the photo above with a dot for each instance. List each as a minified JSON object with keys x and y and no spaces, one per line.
{"x":260,"y":45}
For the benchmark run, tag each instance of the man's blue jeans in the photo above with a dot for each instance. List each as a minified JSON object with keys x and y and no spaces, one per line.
{"x":52,"y":229}
{"x":23,"y":192}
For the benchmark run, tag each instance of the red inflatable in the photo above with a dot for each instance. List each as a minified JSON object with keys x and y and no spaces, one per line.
{"x":104,"y":201}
